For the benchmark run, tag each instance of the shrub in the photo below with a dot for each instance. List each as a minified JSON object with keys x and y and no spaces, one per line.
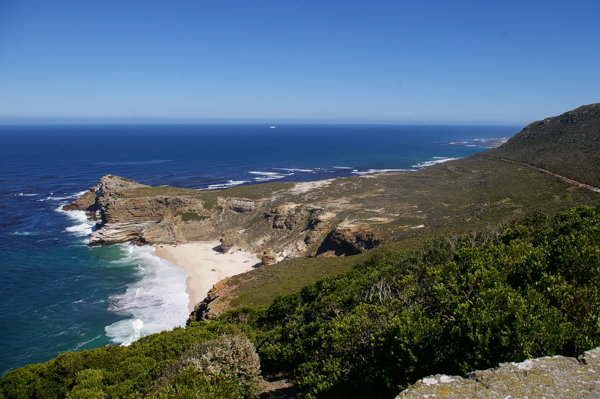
{"x":226,"y":360}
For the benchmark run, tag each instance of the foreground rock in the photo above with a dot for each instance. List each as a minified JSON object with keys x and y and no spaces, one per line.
{"x":546,"y":377}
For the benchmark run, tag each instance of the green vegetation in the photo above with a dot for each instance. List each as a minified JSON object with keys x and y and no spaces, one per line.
{"x":187,"y":216}
{"x":463,"y":303}
{"x":568,"y":145}
{"x":166,"y":365}
{"x":161,"y":190}
{"x":120,"y":178}
{"x":525,"y":289}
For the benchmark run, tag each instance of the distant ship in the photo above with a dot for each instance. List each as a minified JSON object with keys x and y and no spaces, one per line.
{"x":272,"y":127}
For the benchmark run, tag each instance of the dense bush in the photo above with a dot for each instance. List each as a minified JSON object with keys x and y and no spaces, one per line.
{"x":136,"y":371}
{"x":225,"y":358}
{"x":464,"y":303}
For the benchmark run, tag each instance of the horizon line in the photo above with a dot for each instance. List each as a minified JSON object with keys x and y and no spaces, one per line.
{"x":25,"y":121}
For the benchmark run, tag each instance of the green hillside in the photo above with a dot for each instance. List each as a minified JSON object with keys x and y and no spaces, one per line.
{"x":568,"y":145}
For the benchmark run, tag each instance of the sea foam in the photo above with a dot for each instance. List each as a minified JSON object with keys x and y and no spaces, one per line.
{"x":228,"y":184}
{"x":434,"y":161}
{"x":157,"y":302}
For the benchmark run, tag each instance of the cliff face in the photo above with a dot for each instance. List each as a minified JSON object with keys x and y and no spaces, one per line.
{"x":126,"y":211}
{"x":140,"y":220}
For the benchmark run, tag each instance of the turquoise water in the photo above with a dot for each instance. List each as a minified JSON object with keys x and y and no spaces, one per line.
{"x":60,"y":295}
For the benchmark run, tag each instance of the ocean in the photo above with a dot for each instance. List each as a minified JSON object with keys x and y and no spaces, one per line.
{"x":58,"y":295}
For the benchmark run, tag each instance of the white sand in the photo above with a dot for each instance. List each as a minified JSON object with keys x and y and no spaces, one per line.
{"x":205,"y":266}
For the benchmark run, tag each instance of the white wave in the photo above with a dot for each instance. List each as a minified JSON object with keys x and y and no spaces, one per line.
{"x":26,"y":195}
{"x":380,"y":171}
{"x":263,"y":173}
{"x":267,"y":176}
{"x":435,"y":160}
{"x":84,"y":226}
{"x":23,"y":233}
{"x":79,"y":345}
{"x":343,"y":167}
{"x":63,"y":198}
{"x":156,"y":303}
{"x":223,"y":186}
{"x":486,"y":142}
{"x":296,"y":170}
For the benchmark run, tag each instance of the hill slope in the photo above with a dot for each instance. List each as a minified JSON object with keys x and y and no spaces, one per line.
{"x":568,"y":144}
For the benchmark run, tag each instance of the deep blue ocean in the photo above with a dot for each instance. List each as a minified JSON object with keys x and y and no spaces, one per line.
{"x":57,"y":294}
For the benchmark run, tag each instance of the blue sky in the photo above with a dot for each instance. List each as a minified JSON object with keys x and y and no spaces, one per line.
{"x":508,"y":62}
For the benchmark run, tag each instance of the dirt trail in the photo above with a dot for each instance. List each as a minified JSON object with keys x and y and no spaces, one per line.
{"x":580,"y":184}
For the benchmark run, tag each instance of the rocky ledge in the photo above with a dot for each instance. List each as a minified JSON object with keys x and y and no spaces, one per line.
{"x":547,"y":377}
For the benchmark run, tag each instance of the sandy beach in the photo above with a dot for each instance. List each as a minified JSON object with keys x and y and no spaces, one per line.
{"x":205,"y":266}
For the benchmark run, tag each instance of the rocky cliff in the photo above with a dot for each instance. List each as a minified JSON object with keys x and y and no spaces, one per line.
{"x":126,"y":211}
{"x":546,"y":377}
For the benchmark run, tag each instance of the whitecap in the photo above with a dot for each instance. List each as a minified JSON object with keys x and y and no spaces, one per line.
{"x":267,"y":176}
{"x":223,"y":186}
{"x":435,"y":160}
{"x":379,"y":171}
{"x":157,"y":302}
{"x":263,"y":173}
{"x":486,"y":142}
{"x":84,"y":226}
{"x":79,"y":345}
{"x":343,"y":167}
{"x":296,"y":170}
{"x":26,"y":195}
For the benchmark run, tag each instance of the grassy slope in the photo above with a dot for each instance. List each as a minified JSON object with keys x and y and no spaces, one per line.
{"x":450,"y":198}
{"x":568,"y":144}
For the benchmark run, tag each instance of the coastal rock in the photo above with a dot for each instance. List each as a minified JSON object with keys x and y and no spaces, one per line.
{"x":545,"y":377}
{"x":269,"y":257}
{"x":317,"y":227}
{"x":87,"y":202}
{"x":349,"y":240}
{"x":144,"y":220}
{"x":242,"y":205}
{"x":216,"y":302}
{"x":285,"y":216}
{"x":228,"y":240}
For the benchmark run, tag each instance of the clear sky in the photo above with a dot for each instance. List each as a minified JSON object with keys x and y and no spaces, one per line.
{"x":501,"y":62}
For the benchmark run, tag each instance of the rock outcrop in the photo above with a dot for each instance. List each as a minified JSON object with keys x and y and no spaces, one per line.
{"x":546,"y":377}
{"x":215,"y":303}
{"x":269,"y":257}
{"x":87,"y":202}
{"x":350,"y":240}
